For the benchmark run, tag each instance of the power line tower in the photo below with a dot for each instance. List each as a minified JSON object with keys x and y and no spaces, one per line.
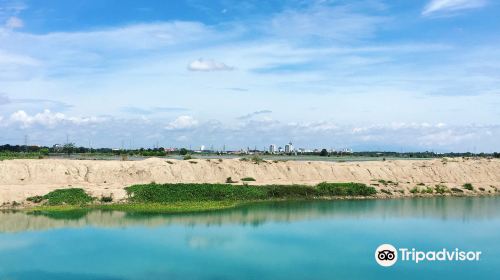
{"x":26,"y":143}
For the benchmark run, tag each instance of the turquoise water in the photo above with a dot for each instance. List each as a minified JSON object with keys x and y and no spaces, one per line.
{"x":298,"y":240}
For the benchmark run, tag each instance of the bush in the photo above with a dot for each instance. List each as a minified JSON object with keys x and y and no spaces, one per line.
{"x":35,"y":199}
{"x":183,"y":151}
{"x":187,"y":157}
{"x":247,"y":179}
{"x":386,"y":191}
{"x":346,"y":189}
{"x":107,"y":199}
{"x":468,"y":186}
{"x":414,"y":190}
{"x":428,"y":190}
{"x":256,"y":159}
{"x":229,"y":180}
{"x":457,"y":190}
{"x":167,"y":193}
{"x":441,"y":189}
{"x":72,"y":196}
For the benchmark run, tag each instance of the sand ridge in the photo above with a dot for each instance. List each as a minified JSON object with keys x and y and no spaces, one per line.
{"x":23,"y":178}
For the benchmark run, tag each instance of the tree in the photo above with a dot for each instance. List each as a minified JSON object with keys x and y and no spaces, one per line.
{"x":69,"y":148}
{"x":323,"y":153}
{"x":183,"y":151}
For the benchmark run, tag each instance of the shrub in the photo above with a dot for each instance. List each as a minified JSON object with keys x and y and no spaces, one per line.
{"x":441,"y":189}
{"x":414,"y":190}
{"x":167,"y":193}
{"x":383,"y":182}
{"x":482,"y":189}
{"x":35,"y":199}
{"x":72,"y":196}
{"x":187,"y":157}
{"x":193,"y":162}
{"x":345,"y":189}
{"x":106,"y":199}
{"x":170,"y":162}
{"x":428,"y":190}
{"x":386,"y":191}
{"x":248,"y":179}
{"x":420,"y":184}
{"x":457,"y":190}
{"x":229,"y":180}
{"x":256,"y":159}
{"x":468,"y":186}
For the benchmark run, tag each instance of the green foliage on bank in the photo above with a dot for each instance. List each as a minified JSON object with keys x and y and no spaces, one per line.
{"x":74,"y":196}
{"x":166,"y":193}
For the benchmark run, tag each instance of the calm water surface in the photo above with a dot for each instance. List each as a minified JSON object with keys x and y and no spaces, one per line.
{"x":299,"y":240}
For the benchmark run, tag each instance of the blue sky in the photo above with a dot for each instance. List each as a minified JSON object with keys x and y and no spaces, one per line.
{"x":393,"y":75}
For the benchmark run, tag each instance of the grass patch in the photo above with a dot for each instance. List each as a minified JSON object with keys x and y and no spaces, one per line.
{"x":346,"y":189}
{"x":167,"y":193}
{"x":441,"y":189}
{"x":386,"y":191}
{"x":428,"y":190}
{"x":468,"y":186}
{"x":35,"y":199}
{"x":248,"y":179}
{"x":72,"y":196}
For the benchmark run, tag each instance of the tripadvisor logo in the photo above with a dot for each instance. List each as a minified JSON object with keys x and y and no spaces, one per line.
{"x":387,"y":255}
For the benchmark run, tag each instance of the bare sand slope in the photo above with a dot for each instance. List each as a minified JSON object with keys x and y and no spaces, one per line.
{"x":20,"y":179}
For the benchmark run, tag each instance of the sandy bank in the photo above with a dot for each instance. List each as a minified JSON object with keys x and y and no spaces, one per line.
{"x":20,"y":179}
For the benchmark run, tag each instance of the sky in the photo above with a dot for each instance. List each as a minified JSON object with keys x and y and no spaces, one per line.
{"x":367,"y":75}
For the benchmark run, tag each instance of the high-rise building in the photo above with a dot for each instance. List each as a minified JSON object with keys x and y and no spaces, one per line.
{"x":289,"y":148}
{"x":272,"y":149}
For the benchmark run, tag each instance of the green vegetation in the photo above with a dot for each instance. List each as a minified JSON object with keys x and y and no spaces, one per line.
{"x":187,"y":157}
{"x":468,"y":186}
{"x":415,"y":190}
{"x":457,"y":190}
{"x":72,"y":196}
{"x":229,"y":180}
{"x":345,"y":189}
{"x":194,"y":197}
{"x":247,"y":179}
{"x":386,"y":191}
{"x":166,"y":193}
{"x":106,"y":199}
{"x":428,"y":190}
{"x":441,"y":189}
{"x":35,"y":199}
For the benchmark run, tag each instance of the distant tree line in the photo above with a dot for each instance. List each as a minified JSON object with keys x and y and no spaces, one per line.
{"x":71,"y":148}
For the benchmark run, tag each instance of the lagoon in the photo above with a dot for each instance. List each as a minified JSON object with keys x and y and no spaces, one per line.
{"x":276,"y":240}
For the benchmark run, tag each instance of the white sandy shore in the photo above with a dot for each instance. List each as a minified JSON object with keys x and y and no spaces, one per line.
{"x":20,"y":179}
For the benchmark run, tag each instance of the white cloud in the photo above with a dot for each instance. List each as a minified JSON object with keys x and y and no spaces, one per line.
{"x":14,"y":22}
{"x":451,"y":5}
{"x":207,"y":65}
{"x":17,"y":59}
{"x":182,"y":122}
{"x":48,"y":119}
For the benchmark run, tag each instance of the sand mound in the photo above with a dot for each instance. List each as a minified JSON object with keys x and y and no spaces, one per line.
{"x":20,"y":179}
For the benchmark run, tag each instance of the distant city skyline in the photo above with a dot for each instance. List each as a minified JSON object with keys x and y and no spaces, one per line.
{"x":367,"y":75}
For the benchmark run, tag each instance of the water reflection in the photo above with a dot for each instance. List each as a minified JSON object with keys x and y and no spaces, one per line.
{"x":465,"y":209}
